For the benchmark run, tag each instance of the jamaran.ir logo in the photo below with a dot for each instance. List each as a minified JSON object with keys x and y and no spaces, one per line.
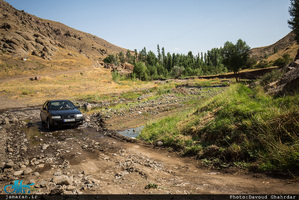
{"x":17,"y":188}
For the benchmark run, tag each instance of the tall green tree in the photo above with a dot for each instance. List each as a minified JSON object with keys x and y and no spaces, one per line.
{"x":129,"y":56}
{"x":294,"y":21}
{"x":235,"y":56}
{"x":151,"y":58}
{"x":121,"y":57}
{"x":140,"y":71}
{"x":159,"y":53}
{"x":136,"y":56}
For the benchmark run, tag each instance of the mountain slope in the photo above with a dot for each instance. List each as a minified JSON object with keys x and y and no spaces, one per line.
{"x":27,"y":37}
{"x":270,"y":53}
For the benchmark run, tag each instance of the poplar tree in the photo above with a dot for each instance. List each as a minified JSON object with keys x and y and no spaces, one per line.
{"x":294,"y":21}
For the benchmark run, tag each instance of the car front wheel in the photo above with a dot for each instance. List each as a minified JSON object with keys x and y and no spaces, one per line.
{"x":49,"y":127}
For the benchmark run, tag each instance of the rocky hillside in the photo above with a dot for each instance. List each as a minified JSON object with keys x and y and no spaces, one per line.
{"x":269,"y":53}
{"x":23,"y":35}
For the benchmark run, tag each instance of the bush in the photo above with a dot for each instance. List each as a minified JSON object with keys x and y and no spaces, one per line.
{"x":119,"y":77}
{"x":263,"y":64}
{"x":284,"y":61}
{"x":141,"y":71}
{"x":270,"y":77}
{"x":109,"y":59}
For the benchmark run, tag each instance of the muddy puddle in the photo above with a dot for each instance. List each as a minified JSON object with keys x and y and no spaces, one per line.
{"x":132,"y":132}
{"x":37,"y":134}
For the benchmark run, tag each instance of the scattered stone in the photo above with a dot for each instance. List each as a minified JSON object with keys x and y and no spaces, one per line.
{"x":213,"y":173}
{"x":41,"y":166}
{"x":5,"y":120}
{"x":70,"y":188}
{"x":45,"y":146}
{"x":9,"y":164}
{"x":36,"y":174}
{"x":57,"y":174}
{"x":57,"y":191}
{"x":13,"y":120}
{"x":28,"y":171}
{"x":2,"y":165}
{"x":43,"y":183}
{"x":18,"y":173}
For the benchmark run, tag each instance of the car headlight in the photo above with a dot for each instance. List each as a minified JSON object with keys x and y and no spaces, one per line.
{"x":78,"y":115}
{"x":56,"y":117}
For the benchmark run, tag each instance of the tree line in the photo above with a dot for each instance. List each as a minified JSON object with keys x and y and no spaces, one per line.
{"x":229,"y":58}
{"x":149,"y":66}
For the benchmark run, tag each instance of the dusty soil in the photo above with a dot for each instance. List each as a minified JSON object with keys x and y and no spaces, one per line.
{"x":92,"y":159}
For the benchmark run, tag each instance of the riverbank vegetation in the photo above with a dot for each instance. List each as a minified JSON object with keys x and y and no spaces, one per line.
{"x":241,"y":127}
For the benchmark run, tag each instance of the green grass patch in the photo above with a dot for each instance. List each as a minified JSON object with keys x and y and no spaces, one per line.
{"x":240,"y":127}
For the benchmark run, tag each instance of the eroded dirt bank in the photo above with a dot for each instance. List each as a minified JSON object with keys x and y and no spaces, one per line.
{"x":93,"y":160}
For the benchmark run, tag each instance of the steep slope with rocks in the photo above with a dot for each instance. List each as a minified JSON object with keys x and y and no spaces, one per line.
{"x":23,"y":35}
{"x":289,"y":81}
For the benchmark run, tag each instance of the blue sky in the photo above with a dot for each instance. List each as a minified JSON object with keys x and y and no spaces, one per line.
{"x":177,"y":25}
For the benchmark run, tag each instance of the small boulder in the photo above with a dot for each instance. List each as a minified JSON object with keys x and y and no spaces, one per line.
{"x":159,"y":143}
{"x":28,"y":171}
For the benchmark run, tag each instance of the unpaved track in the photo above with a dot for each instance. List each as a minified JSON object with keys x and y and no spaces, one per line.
{"x":96,"y":163}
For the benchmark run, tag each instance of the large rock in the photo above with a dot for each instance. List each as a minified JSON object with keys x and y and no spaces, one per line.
{"x":87,"y":106}
{"x":290,"y":81}
{"x":288,"y":84}
{"x":62,"y":180}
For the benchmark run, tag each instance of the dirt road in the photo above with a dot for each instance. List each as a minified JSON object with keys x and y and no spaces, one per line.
{"x":94,"y":160}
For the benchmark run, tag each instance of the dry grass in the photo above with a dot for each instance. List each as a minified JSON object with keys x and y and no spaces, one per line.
{"x":292,"y":51}
{"x":71,"y":85}
{"x":68,"y":74}
{"x":15,"y":66}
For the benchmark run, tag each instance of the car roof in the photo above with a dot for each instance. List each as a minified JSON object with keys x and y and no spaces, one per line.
{"x":57,"y":100}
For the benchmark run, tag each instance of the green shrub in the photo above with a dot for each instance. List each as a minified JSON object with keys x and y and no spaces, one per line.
{"x":270,"y":77}
{"x":284,"y":61}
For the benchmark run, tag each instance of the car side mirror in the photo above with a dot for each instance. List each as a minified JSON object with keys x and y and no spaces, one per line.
{"x":77,"y":106}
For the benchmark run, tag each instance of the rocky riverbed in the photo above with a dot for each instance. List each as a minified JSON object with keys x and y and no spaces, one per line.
{"x":93,"y":159}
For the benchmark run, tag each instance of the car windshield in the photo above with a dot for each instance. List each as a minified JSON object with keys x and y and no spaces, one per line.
{"x":61,"y":105}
